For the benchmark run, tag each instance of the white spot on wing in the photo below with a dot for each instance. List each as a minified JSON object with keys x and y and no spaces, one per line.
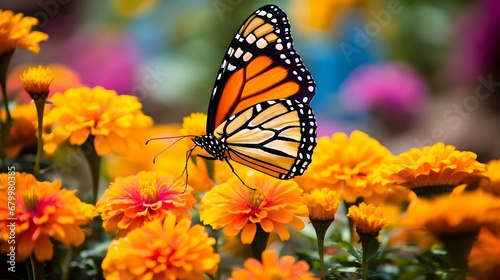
{"x":238,"y":53}
{"x":247,"y":56}
{"x":251,"y":38}
{"x":261,"y":43}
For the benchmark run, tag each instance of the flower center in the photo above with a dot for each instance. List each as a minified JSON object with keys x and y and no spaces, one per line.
{"x":256,"y":198}
{"x":149,"y":190}
{"x":30,"y":199}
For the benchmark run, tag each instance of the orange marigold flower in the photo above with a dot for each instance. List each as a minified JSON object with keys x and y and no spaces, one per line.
{"x":452,"y":214}
{"x":15,"y":32}
{"x":272,"y":268}
{"x":159,"y":250}
{"x":36,"y":82}
{"x":43,"y":210}
{"x":115,"y":121}
{"x":434,"y":166}
{"x":133,"y":201}
{"x":484,"y":258}
{"x":273,"y":204}
{"x":22,"y":136}
{"x":343,"y":163}
{"x":322,"y":204}
{"x":493,"y":173}
{"x":368,"y":219}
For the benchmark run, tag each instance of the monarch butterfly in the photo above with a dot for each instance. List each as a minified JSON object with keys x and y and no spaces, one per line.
{"x":258,"y":114}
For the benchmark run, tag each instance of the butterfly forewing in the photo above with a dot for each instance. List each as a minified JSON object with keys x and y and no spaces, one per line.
{"x":260,"y":64}
{"x":276,"y":137}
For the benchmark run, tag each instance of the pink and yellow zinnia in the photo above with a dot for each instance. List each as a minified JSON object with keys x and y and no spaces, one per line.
{"x":42,"y":210}
{"x":273,"y":205}
{"x":133,"y":201}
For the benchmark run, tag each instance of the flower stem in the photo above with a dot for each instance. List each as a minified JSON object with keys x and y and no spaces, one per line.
{"x":458,"y":247}
{"x":94,"y":162}
{"x":36,"y":268}
{"x":321,"y":226}
{"x":4,"y":126}
{"x":40,"y":105}
{"x":369,"y":247}
{"x":259,"y":243}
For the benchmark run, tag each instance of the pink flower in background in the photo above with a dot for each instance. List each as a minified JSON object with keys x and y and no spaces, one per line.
{"x":105,"y":58}
{"x":394,"y":89}
{"x":476,"y":50}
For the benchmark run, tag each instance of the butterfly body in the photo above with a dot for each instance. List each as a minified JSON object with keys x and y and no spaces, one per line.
{"x":264,"y":137}
{"x":259,"y":113}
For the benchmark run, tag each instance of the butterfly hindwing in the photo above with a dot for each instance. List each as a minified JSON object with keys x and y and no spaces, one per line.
{"x":276,"y":137}
{"x":260,"y":64}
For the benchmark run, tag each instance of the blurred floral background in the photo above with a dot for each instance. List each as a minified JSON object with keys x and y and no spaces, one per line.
{"x":407,"y":73}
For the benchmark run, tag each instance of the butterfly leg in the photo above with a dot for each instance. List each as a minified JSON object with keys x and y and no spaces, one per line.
{"x":234,"y":172}
{"x":188,"y":155}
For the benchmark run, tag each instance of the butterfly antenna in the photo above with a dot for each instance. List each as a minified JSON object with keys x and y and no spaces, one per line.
{"x":168,"y":137}
{"x":162,"y":138}
{"x":234,"y":172}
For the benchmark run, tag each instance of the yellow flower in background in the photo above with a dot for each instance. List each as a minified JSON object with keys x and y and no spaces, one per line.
{"x":322,"y":204}
{"x":43,"y":211}
{"x":438,"y":166}
{"x":493,"y":172}
{"x":133,"y":201}
{"x":22,"y":136}
{"x":272,"y":268}
{"x":484,"y":258}
{"x":36,"y":82}
{"x":194,"y":124}
{"x":272,"y":205}
{"x":344,"y":163}
{"x":457,"y":213}
{"x":64,"y":78}
{"x":368,"y":219}
{"x":116,"y":122}
{"x":162,"y":250}
{"x":132,"y":9}
{"x":171,"y":161}
{"x":15,"y":32}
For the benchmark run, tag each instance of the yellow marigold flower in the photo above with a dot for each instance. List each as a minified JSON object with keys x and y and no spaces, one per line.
{"x":64,"y":78}
{"x":322,"y":204}
{"x":15,"y":32}
{"x":133,"y":201}
{"x":170,"y":162}
{"x":36,"y":82}
{"x":438,"y":168}
{"x":273,"y":204}
{"x":343,"y":164}
{"x":116,"y":122}
{"x":272,"y":268}
{"x":484,"y":258}
{"x":194,"y":124}
{"x":43,"y":210}
{"x":368,"y":219}
{"x":493,"y":173}
{"x":159,"y":250}
{"x":452,"y":214}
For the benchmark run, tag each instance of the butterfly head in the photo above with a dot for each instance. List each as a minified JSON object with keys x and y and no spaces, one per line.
{"x":212,"y":145}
